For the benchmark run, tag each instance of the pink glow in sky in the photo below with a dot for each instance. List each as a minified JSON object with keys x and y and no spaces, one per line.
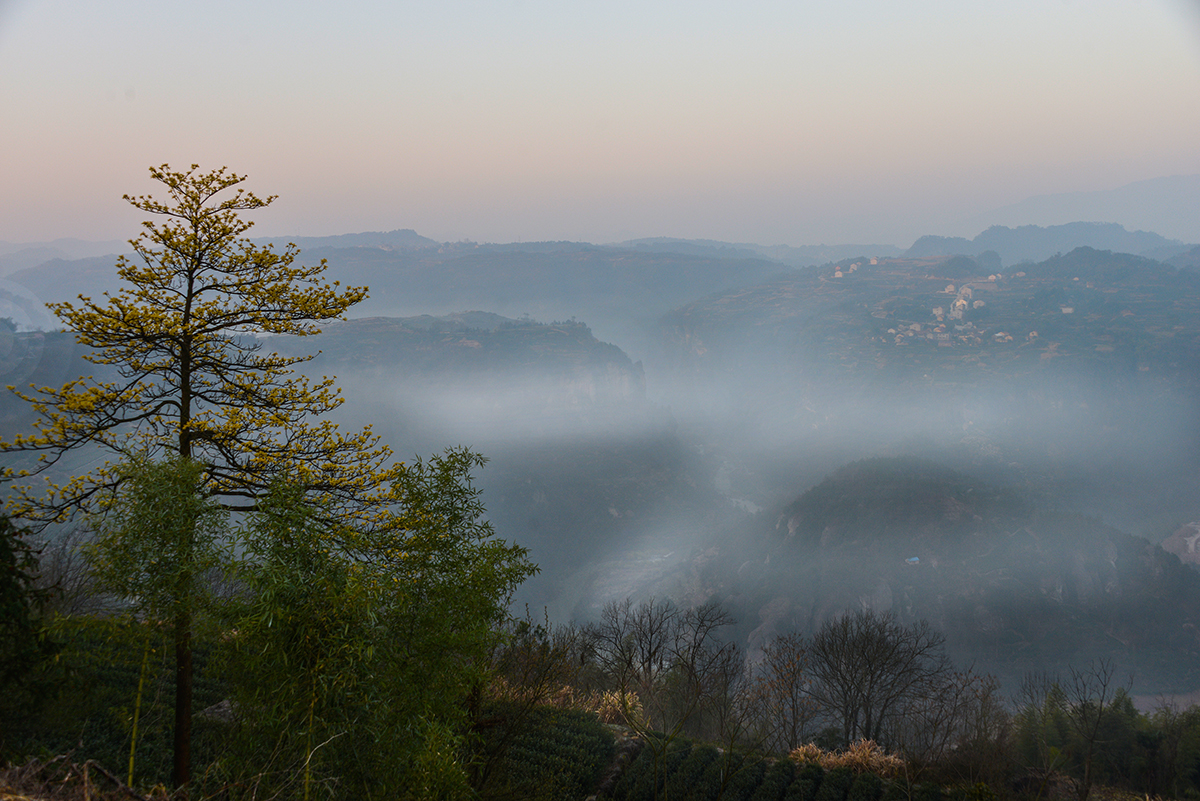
{"x":772,"y":122}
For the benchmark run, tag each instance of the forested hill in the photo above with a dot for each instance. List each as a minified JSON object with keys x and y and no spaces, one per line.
{"x":466,"y":346}
{"x":1014,"y":580}
{"x":903,"y":502}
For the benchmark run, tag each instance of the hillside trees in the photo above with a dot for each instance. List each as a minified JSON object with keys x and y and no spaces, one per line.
{"x":182,"y":341}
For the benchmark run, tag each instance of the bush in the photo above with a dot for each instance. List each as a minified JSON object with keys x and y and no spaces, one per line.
{"x":928,"y":792}
{"x":808,"y":780}
{"x":775,"y":781}
{"x":683,"y":781}
{"x":745,"y":780}
{"x":561,"y":754}
{"x":836,"y":784}
{"x":662,"y":759}
{"x":644,"y":759}
{"x":100,"y":667}
{"x":866,"y":787}
{"x":24,"y":644}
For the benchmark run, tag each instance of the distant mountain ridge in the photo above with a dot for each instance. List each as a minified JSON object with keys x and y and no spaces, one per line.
{"x":16,"y":256}
{"x":793,"y":256}
{"x":1032,"y":243}
{"x":1168,"y":205}
{"x":399,"y":239}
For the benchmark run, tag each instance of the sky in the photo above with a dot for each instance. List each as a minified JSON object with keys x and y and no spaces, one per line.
{"x":770,"y":121}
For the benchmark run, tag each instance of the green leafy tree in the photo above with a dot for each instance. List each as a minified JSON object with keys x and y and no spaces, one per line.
{"x":356,"y":650}
{"x":157,"y":536}
{"x":190,"y":377}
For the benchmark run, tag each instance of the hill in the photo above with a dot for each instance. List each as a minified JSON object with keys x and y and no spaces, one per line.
{"x":466,"y":347}
{"x":1015,"y":581}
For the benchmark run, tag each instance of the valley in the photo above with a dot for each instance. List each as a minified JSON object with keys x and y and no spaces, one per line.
{"x":727,"y":428}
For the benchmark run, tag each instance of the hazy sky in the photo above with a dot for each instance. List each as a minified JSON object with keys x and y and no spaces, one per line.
{"x":773,"y":121}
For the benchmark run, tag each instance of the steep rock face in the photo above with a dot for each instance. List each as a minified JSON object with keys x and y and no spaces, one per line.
{"x":1185,"y":543}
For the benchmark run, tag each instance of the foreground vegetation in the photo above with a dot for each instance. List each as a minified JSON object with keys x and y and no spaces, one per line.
{"x":566,"y":712}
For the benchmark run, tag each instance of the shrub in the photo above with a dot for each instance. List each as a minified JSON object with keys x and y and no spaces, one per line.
{"x":683,"y":781}
{"x":928,"y":792}
{"x":866,"y":787}
{"x":807,"y":782}
{"x":775,"y":781}
{"x":620,"y":791}
{"x":745,"y":780}
{"x":836,"y":784}
{"x":653,"y":774}
{"x":862,"y":756}
{"x":560,"y":754}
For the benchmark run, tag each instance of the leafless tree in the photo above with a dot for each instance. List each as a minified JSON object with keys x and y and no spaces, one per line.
{"x":958,"y":724}
{"x":867,"y":668}
{"x":673,"y":659}
{"x":63,"y":571}
{"x":778,"y":695}
{"x":1090,"y":694}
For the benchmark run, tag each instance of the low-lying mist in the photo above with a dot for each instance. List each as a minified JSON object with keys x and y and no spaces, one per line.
{"x":610,"y":479}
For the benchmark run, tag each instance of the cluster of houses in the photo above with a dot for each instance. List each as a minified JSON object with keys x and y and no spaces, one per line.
{"x":949,"y":326}
{"x":965,"y":299}
{"x":967,"y":333}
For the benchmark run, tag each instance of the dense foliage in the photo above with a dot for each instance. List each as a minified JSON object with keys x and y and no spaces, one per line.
{"x":24,"y":643}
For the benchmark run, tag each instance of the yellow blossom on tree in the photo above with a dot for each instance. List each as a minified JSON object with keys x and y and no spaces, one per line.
{"x":185,"y":339}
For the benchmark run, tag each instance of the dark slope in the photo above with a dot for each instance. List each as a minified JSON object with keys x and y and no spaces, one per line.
{"x":1014,"y":582}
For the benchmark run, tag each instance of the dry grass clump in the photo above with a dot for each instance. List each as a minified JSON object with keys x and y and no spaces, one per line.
{"x":60,"y":779}
{"x":611,"y":706}
{"x":809,"y":752}
{"x":862,"y":756}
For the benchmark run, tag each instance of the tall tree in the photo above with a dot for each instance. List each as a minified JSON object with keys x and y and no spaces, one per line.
{"x":192,"y":378}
